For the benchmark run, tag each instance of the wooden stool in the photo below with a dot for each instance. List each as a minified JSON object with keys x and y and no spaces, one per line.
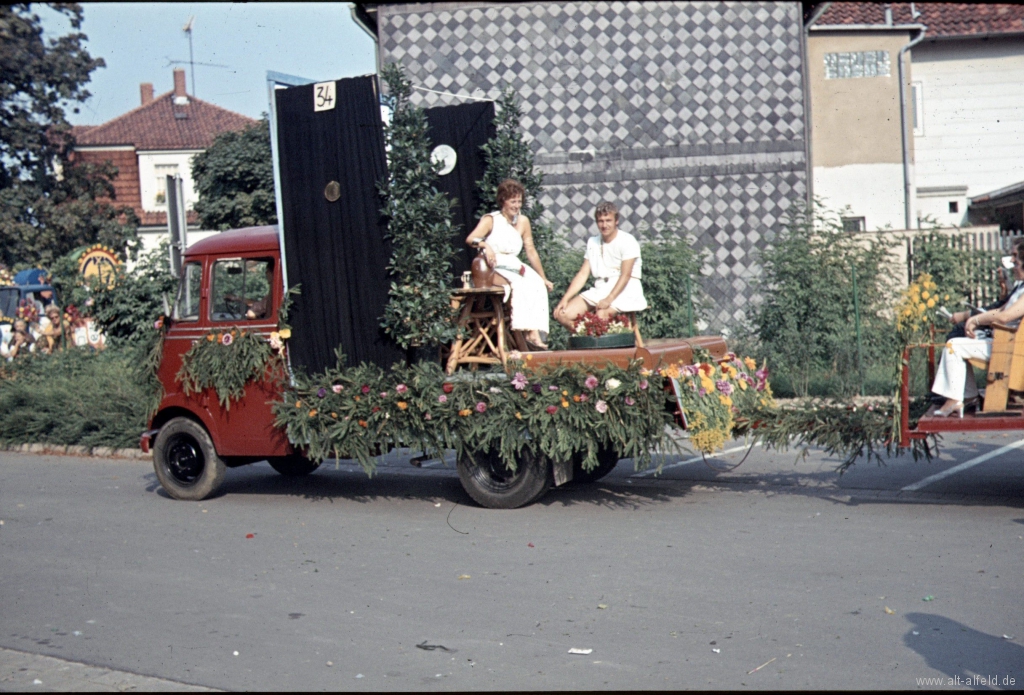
{"x":484,"y":334}
{"x":631,"y":318}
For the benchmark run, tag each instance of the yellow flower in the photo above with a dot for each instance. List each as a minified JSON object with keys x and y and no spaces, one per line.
{"x":565,"y":403}
{"x":726,"y":401}
{"x":931,"y":303}
{"x":945,"y":297}
{"x":334,"y":415}
{"x":519,"y":416}
{"x":285,"y":333}
{"x":672,"y":372}
{"x":529,"y":357}
{"x":402,"y":405}
{"x":924,"y":295}
{"x":525,"y":394}
{"x":743,"y":385}
{"x":750,"y":363}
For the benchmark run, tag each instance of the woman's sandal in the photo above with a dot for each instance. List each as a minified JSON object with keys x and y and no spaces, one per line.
{"x":956,"y":407}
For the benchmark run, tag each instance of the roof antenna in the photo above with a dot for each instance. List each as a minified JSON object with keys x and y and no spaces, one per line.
{"x":191,"y":58}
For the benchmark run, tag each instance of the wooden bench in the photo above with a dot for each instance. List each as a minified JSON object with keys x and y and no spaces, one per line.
{"x":1005,"y":368}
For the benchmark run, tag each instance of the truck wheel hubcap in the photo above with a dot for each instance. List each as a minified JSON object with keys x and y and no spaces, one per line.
{"x":185,"y":460}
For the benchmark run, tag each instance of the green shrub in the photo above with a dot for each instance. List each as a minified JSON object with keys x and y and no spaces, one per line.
{"x":806,"y":323}
{"x":73,"y":397}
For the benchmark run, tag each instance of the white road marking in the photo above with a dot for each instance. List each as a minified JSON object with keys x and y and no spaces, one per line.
{"x":963,"y":466}
{"x":695,"y":459}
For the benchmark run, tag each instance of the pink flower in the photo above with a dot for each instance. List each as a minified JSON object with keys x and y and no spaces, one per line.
{"x":158,"y":324}
{"x":629,"y":400}
{"x":428,"y":416}
{"x":591,"y":382}
{"x":481,"y":407}
{"x":226,"y":339}
{"x":365,"y":389}
{"x":701,"y":392}
{"x":383,"y":394}
{"x":552,"y":388}
{"x":724,"y":386}
{"x":584,"y":398}
{"x":515,"y":355}
{"x":442,"y":398}
{"x":519,"y":381}
{"x":643,"y":384}
{"x":551,"y":410}
{"x":337,"y":388}
{"x":601,"y":407}
{"x":401,"y":388}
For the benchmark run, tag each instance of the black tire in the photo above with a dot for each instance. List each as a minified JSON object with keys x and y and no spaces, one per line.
{"x":293,"y":466}
{"x":606,"y":462}
{"x":185,"y":460}
{"x":491,"y":484}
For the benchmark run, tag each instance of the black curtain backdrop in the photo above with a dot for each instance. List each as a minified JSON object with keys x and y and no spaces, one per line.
{"x":336,"y":250}
{"x":464,"y":128}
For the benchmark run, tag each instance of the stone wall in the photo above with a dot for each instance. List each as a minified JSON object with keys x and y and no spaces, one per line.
{"x":687,"y":109}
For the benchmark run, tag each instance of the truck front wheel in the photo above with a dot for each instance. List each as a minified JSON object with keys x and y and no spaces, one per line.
{"x":491,"y":484}
{"x":185,"y":460}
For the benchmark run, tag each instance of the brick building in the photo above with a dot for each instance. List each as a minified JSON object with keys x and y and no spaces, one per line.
{"x":157,"y":138}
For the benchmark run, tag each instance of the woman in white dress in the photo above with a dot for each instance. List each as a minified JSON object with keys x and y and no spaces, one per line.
{"x":502,"y":236}
{"x":953,"y":380}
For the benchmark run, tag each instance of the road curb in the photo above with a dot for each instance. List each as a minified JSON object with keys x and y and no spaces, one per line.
{"x":76,"y":450}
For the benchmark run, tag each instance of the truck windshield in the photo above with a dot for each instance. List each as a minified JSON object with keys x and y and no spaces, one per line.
{"x":187,"y":308}
{"x":241,"y":289}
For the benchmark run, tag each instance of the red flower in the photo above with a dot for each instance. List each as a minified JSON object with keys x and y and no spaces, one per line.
{"x":551,"y":410}
{"x":447,"y":387}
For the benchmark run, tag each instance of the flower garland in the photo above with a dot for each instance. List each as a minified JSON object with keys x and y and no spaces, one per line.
{"x":226,"y":360}
{"x":556,"y":412}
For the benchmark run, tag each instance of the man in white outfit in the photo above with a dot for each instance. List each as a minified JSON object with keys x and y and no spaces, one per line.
{"x":613,"y":258}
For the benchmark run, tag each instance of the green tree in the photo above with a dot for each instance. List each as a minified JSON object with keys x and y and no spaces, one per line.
{"x":235,"y":179}
{"x":419,"y":311}
{"x":48,"y":204}
{"x":806,"y":322}
{"x":509,"y":157}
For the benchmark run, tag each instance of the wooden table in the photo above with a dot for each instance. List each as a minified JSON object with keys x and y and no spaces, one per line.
{"x":485,"y":336}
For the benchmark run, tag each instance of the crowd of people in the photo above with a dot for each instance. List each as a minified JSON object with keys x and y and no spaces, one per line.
{"x":44,"y":329}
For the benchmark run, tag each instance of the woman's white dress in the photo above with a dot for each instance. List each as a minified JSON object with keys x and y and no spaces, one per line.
{"x":529,"y":294}
{"x":951,"y":377}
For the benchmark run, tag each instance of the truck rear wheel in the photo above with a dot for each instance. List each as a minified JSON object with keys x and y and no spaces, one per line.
{"x":606,"y":461}
{"x":490,"y":483}
{"x":185,"y":460}
{"x":293,"y":466}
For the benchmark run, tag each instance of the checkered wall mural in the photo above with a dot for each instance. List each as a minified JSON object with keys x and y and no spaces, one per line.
{"x":692,"y":110}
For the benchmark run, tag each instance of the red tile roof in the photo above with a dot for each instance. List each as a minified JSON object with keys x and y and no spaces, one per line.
{"x":164,"y":125}
{"x":944,"y":20}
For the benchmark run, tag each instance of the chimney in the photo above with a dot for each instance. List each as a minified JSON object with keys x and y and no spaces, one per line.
{"x":146,"y":90}
{"x":180,"y":97}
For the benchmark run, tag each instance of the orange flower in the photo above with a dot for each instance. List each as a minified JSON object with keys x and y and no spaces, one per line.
{"x":707,"y":369}
{"x":358,"y":398}
{"x":312,"y":413}
{"x":576,"y":399}
{"x":672,"y":372}
{"x":525,"y":395}
{"x":465,"y":413}
{"x":402,"y":405}
{"x":209,"y":337}
{"x":298,"y":404}
{"x":362,"y":423}
{"x":565,"y":403}
{"x":334,"y":415}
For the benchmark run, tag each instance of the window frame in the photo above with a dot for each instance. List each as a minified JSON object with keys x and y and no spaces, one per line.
{"x":270,"y":317}
{"x":181,"y":290}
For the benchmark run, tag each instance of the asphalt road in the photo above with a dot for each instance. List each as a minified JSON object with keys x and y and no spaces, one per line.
{"x":692,"y":579}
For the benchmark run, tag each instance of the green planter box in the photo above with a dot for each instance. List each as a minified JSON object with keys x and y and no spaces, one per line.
{"x":617,"y":340}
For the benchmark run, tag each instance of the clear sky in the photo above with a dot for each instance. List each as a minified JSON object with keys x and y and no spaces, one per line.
{"x":137,"y":40}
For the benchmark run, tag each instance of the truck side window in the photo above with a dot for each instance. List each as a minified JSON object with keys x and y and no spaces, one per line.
{"x":242,"y":289}
{"x":187,"y":308}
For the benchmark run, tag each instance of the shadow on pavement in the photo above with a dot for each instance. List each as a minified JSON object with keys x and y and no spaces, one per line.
{"x":960,"y":651}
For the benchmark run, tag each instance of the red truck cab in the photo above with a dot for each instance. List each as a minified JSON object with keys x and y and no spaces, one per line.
{"x":223,"y":279}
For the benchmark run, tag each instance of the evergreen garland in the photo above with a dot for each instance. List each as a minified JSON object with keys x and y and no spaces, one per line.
{"x":226,"y":361}
{"x":419,"y":311}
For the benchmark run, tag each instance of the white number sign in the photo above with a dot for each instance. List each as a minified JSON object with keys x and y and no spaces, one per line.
{"x":323,"y":96}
